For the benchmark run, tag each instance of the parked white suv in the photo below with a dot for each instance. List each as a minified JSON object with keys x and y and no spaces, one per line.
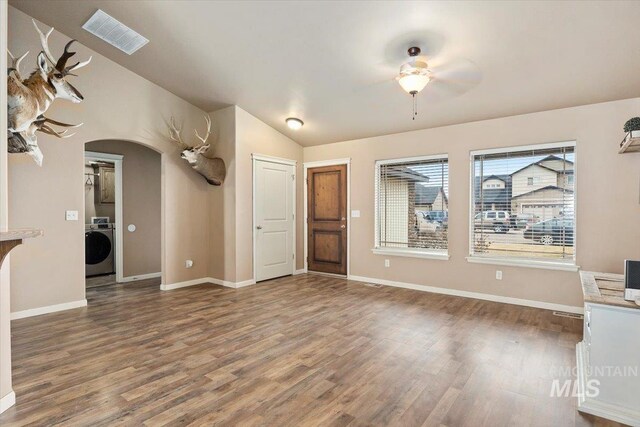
{"x":498,"y":221}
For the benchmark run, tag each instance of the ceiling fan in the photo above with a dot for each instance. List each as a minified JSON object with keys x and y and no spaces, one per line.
{"x":414,"y":76}
{"x":429,"y":67}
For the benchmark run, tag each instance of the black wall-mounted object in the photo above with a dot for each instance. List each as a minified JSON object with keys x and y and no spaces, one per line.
{"x":631,"y":280}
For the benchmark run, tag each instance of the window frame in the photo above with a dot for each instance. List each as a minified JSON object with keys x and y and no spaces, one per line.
{"x":405,"y":252}
{"x":565,"y":265}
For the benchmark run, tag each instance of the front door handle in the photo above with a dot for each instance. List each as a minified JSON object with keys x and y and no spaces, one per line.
{"x":259,"y":227}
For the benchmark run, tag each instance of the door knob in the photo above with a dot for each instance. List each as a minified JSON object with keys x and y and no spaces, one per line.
{"x":343,"y":226}
{"x":259,"y":227}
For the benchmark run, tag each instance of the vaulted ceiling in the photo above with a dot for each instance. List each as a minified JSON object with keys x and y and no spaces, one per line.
{"x":332,"y":64}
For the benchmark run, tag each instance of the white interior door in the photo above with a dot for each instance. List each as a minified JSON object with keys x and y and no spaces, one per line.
{"x":274,"y":216}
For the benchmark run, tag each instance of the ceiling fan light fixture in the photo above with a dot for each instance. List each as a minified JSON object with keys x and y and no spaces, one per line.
{"x":294,"y":123}
{"x":413,"y":83}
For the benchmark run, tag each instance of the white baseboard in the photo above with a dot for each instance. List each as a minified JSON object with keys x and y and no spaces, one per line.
{"x":467,"y":294}
{"x":186,"y":283}
{"x":141,"y":277}
{"x":301,"y":271}
{"x":225,"y":283}
{"x":212,"y":280}
{"x":48,"y":309}
{"x":245,"y":283}
{"x":7,"y":401}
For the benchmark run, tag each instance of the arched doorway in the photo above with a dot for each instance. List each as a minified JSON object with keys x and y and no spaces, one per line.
{"x":123,"y":213}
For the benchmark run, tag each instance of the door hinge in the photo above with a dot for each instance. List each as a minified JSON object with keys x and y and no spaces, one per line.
{"x":293,"y":177}
{"x":293,"y":216}
{"x":293,"y":256}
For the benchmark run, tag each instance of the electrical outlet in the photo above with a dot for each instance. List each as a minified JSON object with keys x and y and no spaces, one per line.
{"x":498,"y":274}
{"x":188,"y":263}
{"x":387,"y":263}
{"x":71,"y":215}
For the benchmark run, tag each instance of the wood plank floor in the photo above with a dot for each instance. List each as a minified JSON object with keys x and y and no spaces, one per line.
{"x":303,"y":350}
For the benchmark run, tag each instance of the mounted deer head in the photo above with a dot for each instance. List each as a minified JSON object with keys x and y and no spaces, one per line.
{"x":212,"y":169}
{"x":29,"y":99}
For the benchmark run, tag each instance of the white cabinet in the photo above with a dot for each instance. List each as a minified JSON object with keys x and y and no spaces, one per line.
{"x":608,"y":357}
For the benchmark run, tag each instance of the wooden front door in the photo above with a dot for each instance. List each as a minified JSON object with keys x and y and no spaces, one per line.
{"x":327,"y":219}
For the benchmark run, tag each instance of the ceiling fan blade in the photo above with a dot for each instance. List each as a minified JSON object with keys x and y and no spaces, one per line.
{"x":454,"y":78}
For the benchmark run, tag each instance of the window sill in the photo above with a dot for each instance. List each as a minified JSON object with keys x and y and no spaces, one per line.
{"x":411,"y":254}
{"x":547,"y":265}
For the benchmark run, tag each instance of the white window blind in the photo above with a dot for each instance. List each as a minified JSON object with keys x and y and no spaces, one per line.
{"x":532,"y":213}
{"x":412,"y":197}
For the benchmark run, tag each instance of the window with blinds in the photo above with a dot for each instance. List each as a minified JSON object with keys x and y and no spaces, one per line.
{"x":412,"y":197}
{"x":523,"y":203}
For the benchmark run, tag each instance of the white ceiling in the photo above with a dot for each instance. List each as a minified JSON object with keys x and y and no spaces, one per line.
{"x":332,"y":63}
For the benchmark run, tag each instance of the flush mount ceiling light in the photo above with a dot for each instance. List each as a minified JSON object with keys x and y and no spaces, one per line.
{"x":294,"y":123}
{"x":414,"y":76}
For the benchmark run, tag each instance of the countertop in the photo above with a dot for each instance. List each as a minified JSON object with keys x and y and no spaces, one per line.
{"x":605,"y":288}
{"x":19,"y":234}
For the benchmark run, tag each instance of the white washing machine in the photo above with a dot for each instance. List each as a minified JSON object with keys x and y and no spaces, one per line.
{"x":99,"y":249}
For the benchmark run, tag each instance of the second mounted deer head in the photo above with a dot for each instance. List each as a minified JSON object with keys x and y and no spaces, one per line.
{"x":212,"y":169}
{"x":28,"y":99}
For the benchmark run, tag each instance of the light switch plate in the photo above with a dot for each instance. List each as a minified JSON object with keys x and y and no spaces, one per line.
{"x":498,"y":274}
{"x":71,"y":215}
{"x":355,"y":214}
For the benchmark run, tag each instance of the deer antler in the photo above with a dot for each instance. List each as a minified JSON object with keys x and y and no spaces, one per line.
{"x":47,"y":129}
{"x":44,"y":41}
{"x":175,"y":133}
{"x":206,"y":136}
{"x":57,"y":123}
{"x":62,"y":62}
{"x":41,"y":126}
{"x":15,"y":63}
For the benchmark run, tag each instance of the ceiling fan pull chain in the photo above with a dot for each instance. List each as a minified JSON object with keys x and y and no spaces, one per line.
{"x":415,"y":106}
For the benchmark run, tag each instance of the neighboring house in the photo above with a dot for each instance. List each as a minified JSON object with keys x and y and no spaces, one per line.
{"x":430,"y":198}
{"x":397,"y":214}
{"x":495,"y":192}
{"x":544,"y":188}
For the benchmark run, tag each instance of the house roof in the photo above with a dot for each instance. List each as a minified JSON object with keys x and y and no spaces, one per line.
{"x":427,"y":195}
{"x":548,"y":187}
{"x":495,"y":195}
{"x":503,"y":178}
{"x":404,"y":172}
{"x":554,"y":157}
{"x":546,"y":159}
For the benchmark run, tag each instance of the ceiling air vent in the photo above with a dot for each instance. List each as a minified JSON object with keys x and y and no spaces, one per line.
{"x":114,"y":32}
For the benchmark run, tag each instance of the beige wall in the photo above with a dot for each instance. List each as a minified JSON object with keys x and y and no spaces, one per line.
{"x":604,"y":238}
{"x":222,"y":219}
{"x":5,"y":291}
{"x":118,"y":105}
{"x":256,"y":137}
{"x":141,"y":202}
{"x":238,"y":136}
